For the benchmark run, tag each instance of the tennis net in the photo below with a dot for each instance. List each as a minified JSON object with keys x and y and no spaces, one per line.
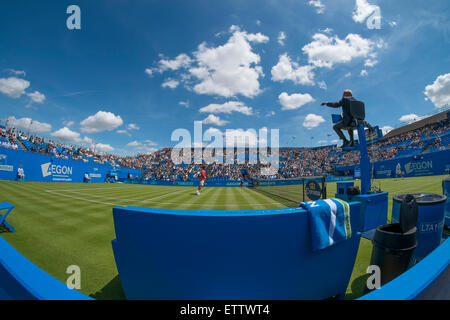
{"x":292,"y":191}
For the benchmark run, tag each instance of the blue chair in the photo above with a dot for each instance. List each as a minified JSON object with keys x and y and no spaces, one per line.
{"x":6,"y":206}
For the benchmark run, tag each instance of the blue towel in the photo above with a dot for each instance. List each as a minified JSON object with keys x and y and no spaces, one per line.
{"x":329,"y":222}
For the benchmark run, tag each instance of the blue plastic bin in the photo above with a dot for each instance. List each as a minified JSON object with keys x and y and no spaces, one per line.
{"x":430,"y":221}
{"x":446,"y":192}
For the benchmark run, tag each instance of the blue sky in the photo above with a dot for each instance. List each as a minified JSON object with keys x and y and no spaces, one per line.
{"x":138,"y":70}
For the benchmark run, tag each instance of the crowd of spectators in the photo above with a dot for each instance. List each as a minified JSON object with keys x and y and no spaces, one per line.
{"x":7,"y":140}
{"x":294,"y":162}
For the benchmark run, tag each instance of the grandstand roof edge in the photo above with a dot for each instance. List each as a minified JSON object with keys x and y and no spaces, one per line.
{"x":417,"y":125}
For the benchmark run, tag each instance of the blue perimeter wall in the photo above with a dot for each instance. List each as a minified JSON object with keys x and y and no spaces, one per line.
{"x":51,"y":169}
{"x":427,"y":164}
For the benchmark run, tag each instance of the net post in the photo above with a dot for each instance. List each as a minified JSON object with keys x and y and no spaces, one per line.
{"x":303,"y":189}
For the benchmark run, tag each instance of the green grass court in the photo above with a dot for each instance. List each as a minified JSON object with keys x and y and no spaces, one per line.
{"x":59,"y":225}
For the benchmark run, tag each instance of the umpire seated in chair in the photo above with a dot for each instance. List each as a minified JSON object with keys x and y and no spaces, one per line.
{"x":351,"y":110}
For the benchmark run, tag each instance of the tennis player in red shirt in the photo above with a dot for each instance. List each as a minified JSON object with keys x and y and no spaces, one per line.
{"x":202,"y":180}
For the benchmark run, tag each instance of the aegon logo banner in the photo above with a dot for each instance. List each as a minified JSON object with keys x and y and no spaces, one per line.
{"x":58,"y":172}
{"x":418,"y":166}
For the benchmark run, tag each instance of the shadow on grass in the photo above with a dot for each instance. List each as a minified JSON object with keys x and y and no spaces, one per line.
{"x":359,"y":288}
{"x":112,"y":291}
{"x":4,"y":229}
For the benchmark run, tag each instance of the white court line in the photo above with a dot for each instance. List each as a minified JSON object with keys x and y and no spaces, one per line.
{"x":161,"y":196}
{"x":69,"y":190}
{"x":151,"y":200}
{"x":217,"y":204}
{"x":160,"y":202}
{"x":125,"y":199}
{"x":67,"y":196}
{"x":90,"y":189}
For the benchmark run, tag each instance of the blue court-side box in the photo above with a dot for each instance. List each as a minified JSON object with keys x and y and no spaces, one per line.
{"x":374,"y":209}
{"x":341,"y":190}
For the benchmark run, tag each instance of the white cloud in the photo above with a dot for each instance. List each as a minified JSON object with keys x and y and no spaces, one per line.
{"x":281,"y":38}
{"x":134,"y":144}
{"x":13,"y":87}
{"x":184,"y":103}
{"x":67,"y":135}
{"x":213,"y":131}
{"x":181,"y":61}
{"x":410,"y":118}
{"x":226,"y":70}
{"x":270,"y":114}
{"x":286,"y":69}
{"x":212,"y":119}
{"x":326,"y":51}
{"x":163,"y":65}
{"x":87,"y":140}
{"x":170,"y":83}
{"x":124,"y":132}
{"x":312,"y":121}
{"x":149,"y":71}
{"x":258,"y":22}
{"x":364,"y":73}
{"x":386,"y":129}
{"x":241,"y":138}
{"x":228,"y":107}
{"x":146,"y":146}
{"x":238,"y":137}
{"x":363,"y":9}
{"x":37,"y":97}
{"x":150,"y":142}
{"x":294,"y":101}
{"x":101,"y":121}
{"x":133,"y":126}
{"x":68,"y":123}
{"x":370,"y":63}
{"x":439,"y":91}
{"x":320,"y":7}
{"x":327,"y":30}
{"x":256,"y":37}
{"x":322,"y":85}
{"x":16,"y":72}
{"x":393,"y":24}
{"x":28,"y":124}
{"x":348,"y":74}
{"x":230,"y":69}
{"x":100,"y":147}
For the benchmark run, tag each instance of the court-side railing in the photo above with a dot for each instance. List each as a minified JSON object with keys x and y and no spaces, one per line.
{"x":429,"y":279}
{"x":20,"y":279}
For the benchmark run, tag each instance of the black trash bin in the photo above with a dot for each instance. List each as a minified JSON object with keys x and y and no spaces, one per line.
{"x":393,"y":244}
